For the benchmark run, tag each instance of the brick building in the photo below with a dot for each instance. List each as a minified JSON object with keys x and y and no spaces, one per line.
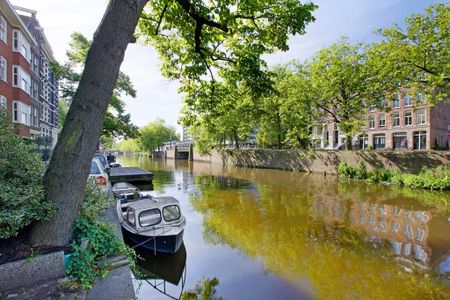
{"x":28,"y":89}
{"x":407,"y":124}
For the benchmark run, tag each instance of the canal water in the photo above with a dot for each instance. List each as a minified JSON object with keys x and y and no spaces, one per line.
{"x":271,"y":234}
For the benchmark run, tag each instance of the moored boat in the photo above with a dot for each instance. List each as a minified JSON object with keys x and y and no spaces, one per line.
{"x":155,"y":223}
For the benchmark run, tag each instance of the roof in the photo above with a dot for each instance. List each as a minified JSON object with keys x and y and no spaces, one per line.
{"x":156,"y":202}
{"x":13,"y":17}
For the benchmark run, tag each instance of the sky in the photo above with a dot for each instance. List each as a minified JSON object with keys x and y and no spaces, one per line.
{"x":157,"y":97}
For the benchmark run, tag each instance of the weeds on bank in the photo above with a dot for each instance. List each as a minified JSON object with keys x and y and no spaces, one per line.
{"x":429,"y":178}
{"x":94,"y":240}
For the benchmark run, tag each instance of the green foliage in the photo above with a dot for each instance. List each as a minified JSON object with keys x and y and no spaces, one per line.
{"x":434,"y":179}
{"x":21,"y":189}
{"x":155,"y":134}
{"x":415,"y":56}
{"x":215,"y":50}
{"x":204,"y":290}
{"x":130,"y":145}
{"x":116,"y":123}
{"x":86,"y":263}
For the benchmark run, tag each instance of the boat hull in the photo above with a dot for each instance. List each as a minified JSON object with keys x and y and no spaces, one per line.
{"x":161,"y":243}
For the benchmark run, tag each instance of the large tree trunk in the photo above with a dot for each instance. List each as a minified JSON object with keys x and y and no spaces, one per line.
{"x":66,"y":176}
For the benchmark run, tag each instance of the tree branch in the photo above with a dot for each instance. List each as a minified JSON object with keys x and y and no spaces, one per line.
{"x":161,"y":17}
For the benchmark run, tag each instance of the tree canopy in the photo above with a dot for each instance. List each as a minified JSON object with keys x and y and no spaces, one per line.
{"x":153,"y":136}
{"x":117,"y":123}
{"x":416,"y":56}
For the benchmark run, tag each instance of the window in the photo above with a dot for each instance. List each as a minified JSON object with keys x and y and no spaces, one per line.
{"x":130,"y":217}
{"x":3,"y":101}
{"x":20,"y":44}
{"x":399,"y":141}
{"x":382,"y":120}
{"x":379,"y":141}
{"x":408,"y":118}
{"x":420,"y":140}
{"x":34,"y":116}
{"x":3,"y":69}
{"x":34,"y":62}
{"x":15,"y":40}
{"x":420,"y":97}
{"x":371,"y":122}
{"x":22,"y":80}
{"x":3,"y":30}
{"x":21,"y":113}
{"x":171,"y":213}
{"x":94,"y":168}
{"x":149,"y":217}
{"x":408,"y":100}
{"x":372,"y":108}
{"x":420,"y":117}
{"x":396,"y":102}
{"x":363,"y":141}
{"x":395,"y":119}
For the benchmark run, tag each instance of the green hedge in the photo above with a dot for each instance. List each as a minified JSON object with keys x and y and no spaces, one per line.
{"x":21,"y":189}
{"x":434,"y":179}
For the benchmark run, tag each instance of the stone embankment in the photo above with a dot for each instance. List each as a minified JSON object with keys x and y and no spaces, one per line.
{"x":326,"y":161}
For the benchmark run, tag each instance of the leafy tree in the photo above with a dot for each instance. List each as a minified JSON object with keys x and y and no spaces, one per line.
{"x":153,"y":136}
{"x":416,"y":56}
{"x":130,"y":145}
{"x":21,"y":190}
{"x":229,"y":120}
{"x":340,"y":80}
{"x":191,"y":37}
{"x":117,"y":123}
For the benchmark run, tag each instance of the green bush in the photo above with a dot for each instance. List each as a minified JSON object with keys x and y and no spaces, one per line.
{"x":86,"y":263}
{"x":21,"y":189}
{"x":434,"y":179}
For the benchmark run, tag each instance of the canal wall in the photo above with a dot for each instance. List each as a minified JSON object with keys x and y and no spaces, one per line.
{"x":326,"y":161}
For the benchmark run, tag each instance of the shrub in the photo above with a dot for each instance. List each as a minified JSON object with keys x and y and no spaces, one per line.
{"x":21,"y":189}
{"x":86,"y":262}
{"x":435,"y":179}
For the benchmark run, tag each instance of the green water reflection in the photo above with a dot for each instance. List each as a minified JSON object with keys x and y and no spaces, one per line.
{"x":347,"y":239}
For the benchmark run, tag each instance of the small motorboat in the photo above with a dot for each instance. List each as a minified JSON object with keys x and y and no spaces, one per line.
{"x":155,"y":223}
{"x":122,"y":188}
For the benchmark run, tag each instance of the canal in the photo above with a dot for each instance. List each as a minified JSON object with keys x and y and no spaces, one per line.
{"x":271,"y":234}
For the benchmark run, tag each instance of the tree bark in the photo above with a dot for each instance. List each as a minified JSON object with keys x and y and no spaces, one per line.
{"x":66,"y":176}
{"x":348,"y":139}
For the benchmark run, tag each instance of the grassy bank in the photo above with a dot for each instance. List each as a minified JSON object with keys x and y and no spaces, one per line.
{"x":437,"y":178}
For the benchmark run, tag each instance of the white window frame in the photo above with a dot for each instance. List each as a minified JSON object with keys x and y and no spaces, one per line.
{"x":21,"y":79}
{"x":396,"y":116}
{"x":3,"y":30}
{"x":421,"y":118}
{"x":371,"y":121}
{"x":21,"y":45}
{"x":3,"y":102}
{"x":382,"y":117}
{"x":3,"y":69}
{"x":410,"y":117}
{"x":21,"y":113}
{"x":409,"y":102}
{"x":396,"y":102}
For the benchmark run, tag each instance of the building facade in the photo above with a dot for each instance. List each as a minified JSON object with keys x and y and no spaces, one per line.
{"x":407,"y":123}
{"x":28,"y":88}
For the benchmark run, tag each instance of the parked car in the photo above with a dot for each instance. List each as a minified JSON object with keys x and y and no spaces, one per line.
{"x":99,"y":175}
{"x":102,"y":158}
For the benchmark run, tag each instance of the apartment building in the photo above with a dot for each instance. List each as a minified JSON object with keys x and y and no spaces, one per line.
{"x":407,"y":123}
{"x":28,"y":88}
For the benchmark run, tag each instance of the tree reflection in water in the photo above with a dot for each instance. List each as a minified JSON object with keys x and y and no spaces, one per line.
{"x":312,"y":234}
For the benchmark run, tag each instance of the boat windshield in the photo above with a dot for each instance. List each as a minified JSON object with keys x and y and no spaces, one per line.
{"x":171,"y":213}
{"x":150,"y":217}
